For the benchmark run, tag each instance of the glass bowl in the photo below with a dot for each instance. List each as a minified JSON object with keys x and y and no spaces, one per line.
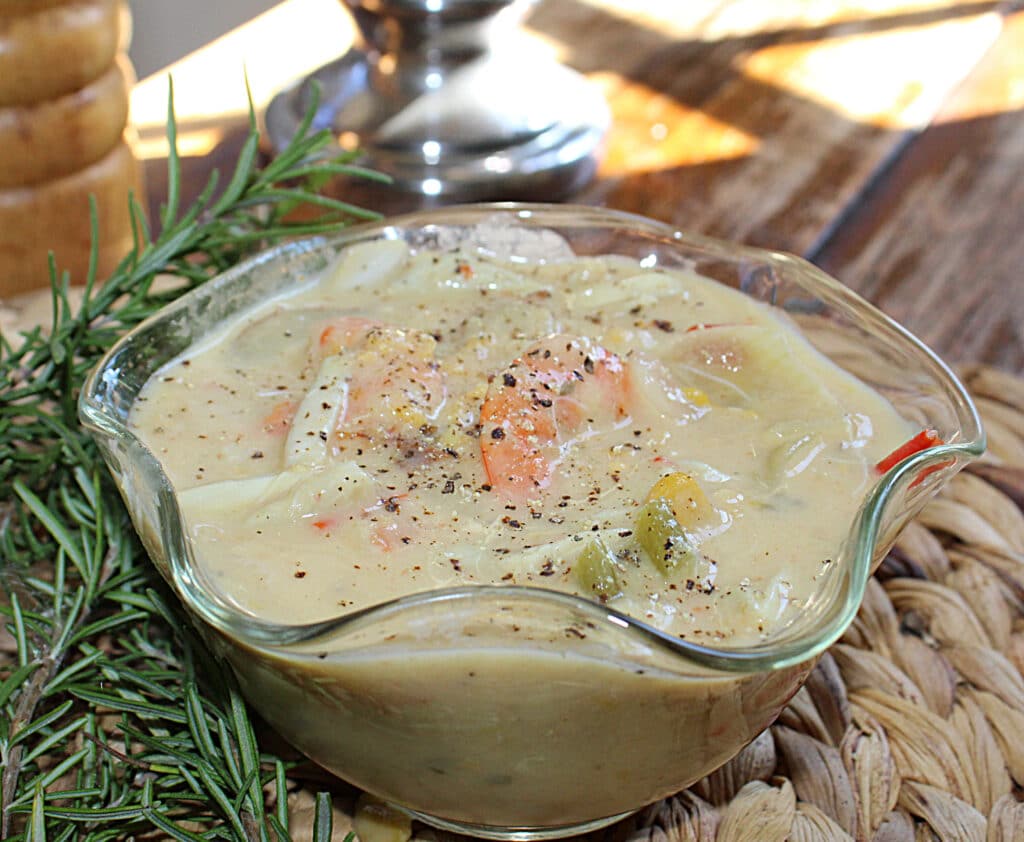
{"x":516,"y":712}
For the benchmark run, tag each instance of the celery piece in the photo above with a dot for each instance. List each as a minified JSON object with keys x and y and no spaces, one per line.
{"x":664,"y":540}
{"x":597,"y":572}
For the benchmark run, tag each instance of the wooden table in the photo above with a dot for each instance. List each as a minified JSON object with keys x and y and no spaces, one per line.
{"x":881,"y":139}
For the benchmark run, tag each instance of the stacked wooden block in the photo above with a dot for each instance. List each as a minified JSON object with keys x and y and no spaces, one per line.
{"x":64,"y":86}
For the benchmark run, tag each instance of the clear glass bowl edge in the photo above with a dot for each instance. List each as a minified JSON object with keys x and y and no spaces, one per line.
{"x":120,"y":446}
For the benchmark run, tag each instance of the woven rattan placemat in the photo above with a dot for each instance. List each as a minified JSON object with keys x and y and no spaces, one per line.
{"x":911,"y":728}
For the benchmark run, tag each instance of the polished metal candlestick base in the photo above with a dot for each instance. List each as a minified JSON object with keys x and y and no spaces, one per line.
{"x":446,"y":98}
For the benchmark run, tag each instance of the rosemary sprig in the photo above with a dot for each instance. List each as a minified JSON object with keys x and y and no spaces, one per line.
{"x":112,"y":722}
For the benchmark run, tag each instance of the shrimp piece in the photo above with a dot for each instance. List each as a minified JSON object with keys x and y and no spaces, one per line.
{"x":343,"y":333}
{"x":392,"y":385}
{"x":279,"y":419}
{"x":540,"y":404}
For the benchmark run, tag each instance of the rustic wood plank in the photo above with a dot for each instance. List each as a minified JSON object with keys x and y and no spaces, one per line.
{"x":938,"y":242}
{"x":759,"y":121}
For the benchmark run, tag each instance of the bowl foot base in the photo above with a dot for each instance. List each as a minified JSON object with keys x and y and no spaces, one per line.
{"x":514,"y":834}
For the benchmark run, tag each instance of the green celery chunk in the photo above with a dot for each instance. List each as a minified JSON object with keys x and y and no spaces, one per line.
{"x":664,"y":540}
{"x":596,"y":571}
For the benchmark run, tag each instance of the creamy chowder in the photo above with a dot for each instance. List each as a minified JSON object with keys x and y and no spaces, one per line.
{"x":414,"y":420}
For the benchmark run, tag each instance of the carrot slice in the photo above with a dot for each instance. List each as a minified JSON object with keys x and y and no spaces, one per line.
{"x":344,"y":332}
{"x":708,"y":326}
{"x":922,"y":441}
{"x":538,"y":401}
{"x":279,"y":419}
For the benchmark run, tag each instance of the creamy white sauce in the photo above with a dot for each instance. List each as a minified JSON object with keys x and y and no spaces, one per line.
{"x":413,"y":421}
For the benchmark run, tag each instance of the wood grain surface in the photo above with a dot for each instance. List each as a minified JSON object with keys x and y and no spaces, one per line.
{"x":938,"y":241}
{"x":882,"y":139}
{"x":774,"y":124}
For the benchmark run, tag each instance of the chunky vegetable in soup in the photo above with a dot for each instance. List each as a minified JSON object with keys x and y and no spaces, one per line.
{"x":420,"y":419}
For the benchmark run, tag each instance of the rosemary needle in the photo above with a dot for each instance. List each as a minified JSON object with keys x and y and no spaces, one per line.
{"x":112,"y":721}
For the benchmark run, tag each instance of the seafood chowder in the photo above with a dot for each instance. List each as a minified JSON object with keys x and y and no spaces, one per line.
{"x":415,"y":421}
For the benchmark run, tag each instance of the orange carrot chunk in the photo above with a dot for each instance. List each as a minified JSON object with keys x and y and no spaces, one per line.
{"x":538,"y":402}
{"x":708,"y":326}
{"x":922,"y":441}
{"x":279,"y":419}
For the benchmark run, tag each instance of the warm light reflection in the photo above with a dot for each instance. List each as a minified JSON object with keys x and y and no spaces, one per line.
{"x":497,"y":164}
{"x":272,"y":50}
{"x":668,"y":18}
{"x":715,"y":21}
{"x":654,"y":131}
{"x":192,"y":143}
{"x":431,"y":152}
{"x":893,"y":78}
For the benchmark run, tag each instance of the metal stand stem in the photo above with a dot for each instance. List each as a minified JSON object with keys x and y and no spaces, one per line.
{"x":446,"y":97}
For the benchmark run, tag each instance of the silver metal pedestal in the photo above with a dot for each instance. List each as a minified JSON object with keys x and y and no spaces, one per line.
{"x":447,"y":98}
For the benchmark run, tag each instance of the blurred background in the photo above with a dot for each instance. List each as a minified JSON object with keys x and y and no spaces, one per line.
{"x":164,"y":32}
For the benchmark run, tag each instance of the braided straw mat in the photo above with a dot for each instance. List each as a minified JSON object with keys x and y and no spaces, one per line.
{"x":911,"y":728}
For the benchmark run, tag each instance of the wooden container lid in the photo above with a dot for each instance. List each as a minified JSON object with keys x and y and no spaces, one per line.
{"x":55,"y":216}
{"x":56,"y":137}
{"x":55,"y":49}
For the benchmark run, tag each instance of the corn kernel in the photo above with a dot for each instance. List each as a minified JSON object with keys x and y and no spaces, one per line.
{"x":698,"y":397}
{"x":685,"y":496}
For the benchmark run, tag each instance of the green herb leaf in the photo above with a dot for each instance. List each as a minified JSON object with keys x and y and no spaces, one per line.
{"x":114,"y":719}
